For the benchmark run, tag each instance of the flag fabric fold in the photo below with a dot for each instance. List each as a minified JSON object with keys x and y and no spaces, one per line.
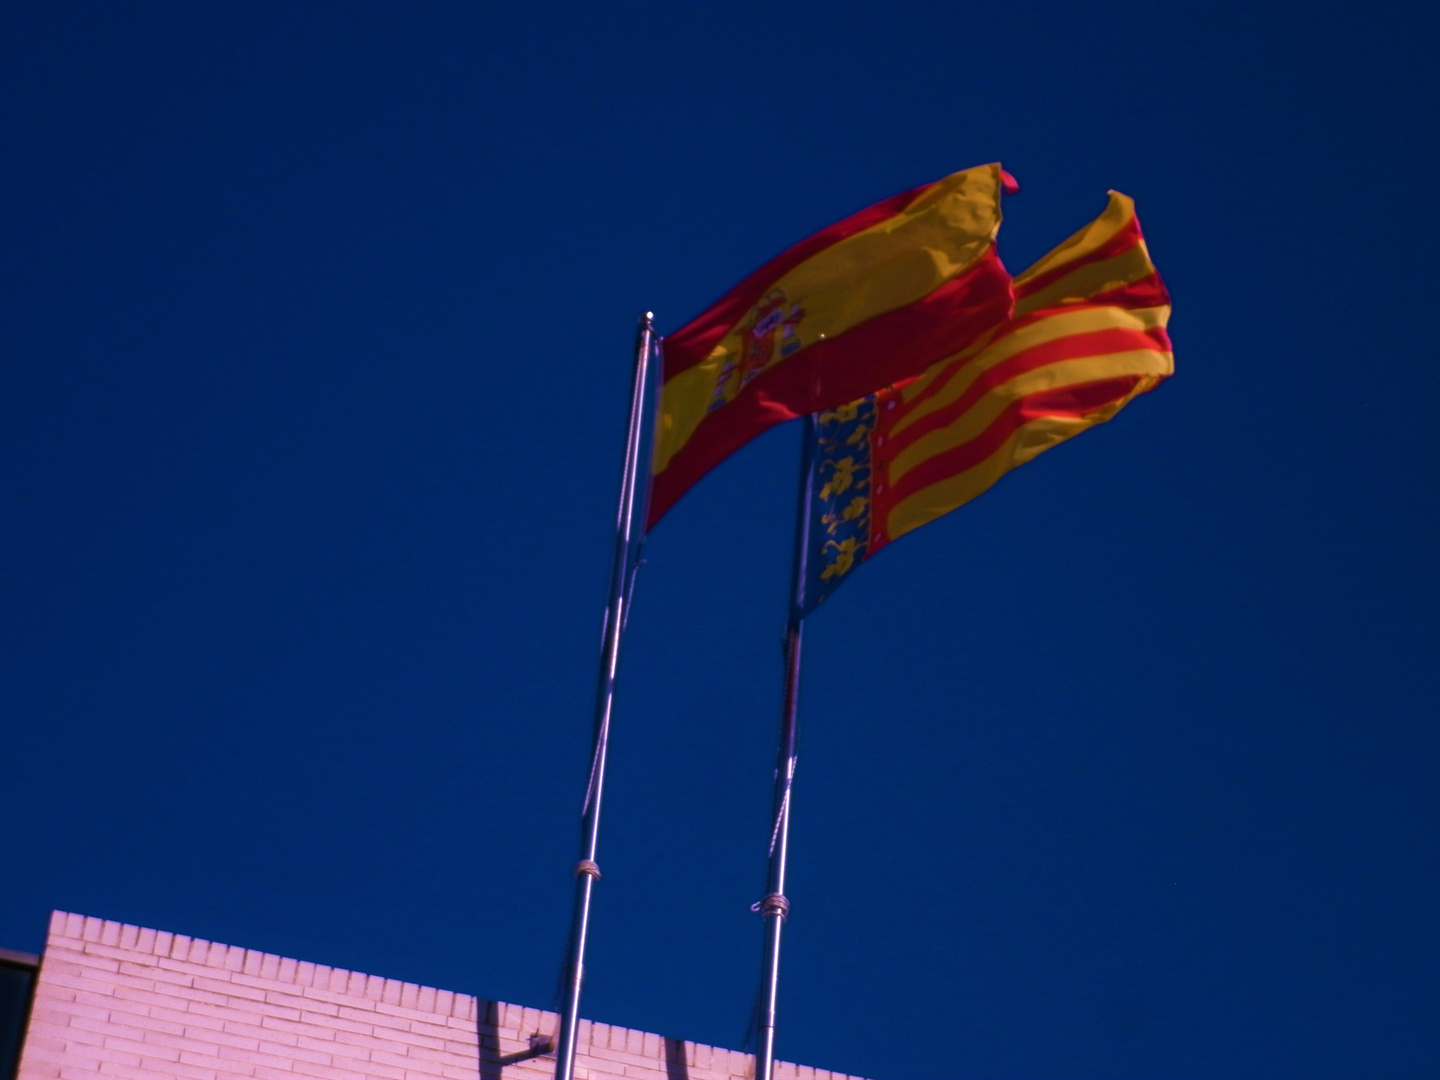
{"x":870,"y":300}
{"x":1088,"y":334}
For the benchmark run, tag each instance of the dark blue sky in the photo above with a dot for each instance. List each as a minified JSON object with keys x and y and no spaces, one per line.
{"x":315,"y":357}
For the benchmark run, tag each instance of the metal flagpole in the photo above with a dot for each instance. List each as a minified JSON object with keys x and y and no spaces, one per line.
{"x":775,"y":907}
{"x":621,"y":571}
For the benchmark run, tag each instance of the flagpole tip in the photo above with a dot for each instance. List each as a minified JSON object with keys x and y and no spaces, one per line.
{"x":647,"y":318}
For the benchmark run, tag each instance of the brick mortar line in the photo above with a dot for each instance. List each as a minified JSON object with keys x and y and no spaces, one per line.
{"x":73,"y":934}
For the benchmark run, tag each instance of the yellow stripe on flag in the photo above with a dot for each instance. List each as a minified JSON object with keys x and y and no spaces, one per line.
{"x":893,"y":264}
{"x":1119,"y":212}
{"x":962,"y":370}
{"x":1088,"y":334}
{"x":1025,"y":443}
{"x":984,"y":412}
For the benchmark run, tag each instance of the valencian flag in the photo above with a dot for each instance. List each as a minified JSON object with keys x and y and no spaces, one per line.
{"x":870,"y":300}
{"x":1088,"y":334}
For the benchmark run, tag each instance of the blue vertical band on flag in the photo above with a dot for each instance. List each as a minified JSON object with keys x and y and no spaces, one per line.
{"x":840,"y":499}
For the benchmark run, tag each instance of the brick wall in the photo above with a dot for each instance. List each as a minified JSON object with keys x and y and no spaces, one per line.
{"x":120,"y":1001}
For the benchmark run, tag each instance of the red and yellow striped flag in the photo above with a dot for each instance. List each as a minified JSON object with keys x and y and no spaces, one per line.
{"x":869,"y":300}
{"x":1088,"y":334}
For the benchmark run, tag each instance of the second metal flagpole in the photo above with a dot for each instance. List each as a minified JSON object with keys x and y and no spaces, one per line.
{"x":621,"y":570}
{"x":776,"y":907}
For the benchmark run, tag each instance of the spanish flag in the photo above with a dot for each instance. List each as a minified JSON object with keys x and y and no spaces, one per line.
{"x":1088,"y":335}
{"x":872,"y":299}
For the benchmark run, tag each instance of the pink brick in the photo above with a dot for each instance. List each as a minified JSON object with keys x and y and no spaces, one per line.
{"x":119,"y":1001}
{"x":63,"y":1012}
{"x":156,"y":972}
{"x":122,"y":1072}
{"x":382,"y":1009}
{"x":61,"y":996}
{"x":346,"y":1068}
{"x":325,"y":1042}
{"x":292,"y":1050}
{"x":180,"y":1069}
{"x":206,"y":1044}
{"x":252,"y":1029}
{"x":446,"y":1057}
{"x":406,"y":1037}
{"x":46,"y":1044}
{"x":111,"y":1069}
{"x":229,"y":1016}
{"x":71,"y":1070}
{"x":183,"y":967}
{"x":223,"y":1037}
{"x":101,"y":1028}
{"x":371,"y":1068}
{"x":330,"y":998}
{"x":141,"y":1049}
{"x":200,"y":1060}
{"x":435,"y":1030}
{"x":96,"y":986}
{"x":164,"y":1016}
{"x":86,"y":1052}
{"x":62,"y":1034}
{"x":79,"y":966}
{"x":274,"y":1027}
{"x":237,"y":986}
{"x":619,"y":1057}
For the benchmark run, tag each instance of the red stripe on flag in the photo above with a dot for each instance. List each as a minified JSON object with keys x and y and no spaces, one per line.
{"x":1128,"y":236}
{"x":840,"y":370}
{"x":1096,"y":343}
{"x":1076,"y":401}
{"x":693,"y":342}
{"x":1147,"y":292}
{"x":937,"y":384}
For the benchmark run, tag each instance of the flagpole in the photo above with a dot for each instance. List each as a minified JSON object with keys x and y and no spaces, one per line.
{"x":776,"y":907}
{"x":616,"y":613}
